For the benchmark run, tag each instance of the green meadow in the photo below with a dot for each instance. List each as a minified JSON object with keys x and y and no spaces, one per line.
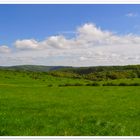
{"x":39,"y":104}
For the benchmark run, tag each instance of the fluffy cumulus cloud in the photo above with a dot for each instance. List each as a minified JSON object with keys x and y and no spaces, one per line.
{"x":90,"y":34}
{"x":4,"y":49}
{"x":90,"y":46}
{"x":58,"y":42}
{"x":26,"y":44}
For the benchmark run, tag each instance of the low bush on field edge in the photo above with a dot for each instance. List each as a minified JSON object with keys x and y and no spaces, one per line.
{"x":97,"y":84}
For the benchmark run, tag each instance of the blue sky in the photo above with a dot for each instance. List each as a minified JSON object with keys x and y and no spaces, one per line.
{"x":41,"y":21}
{"x":41,"y":29}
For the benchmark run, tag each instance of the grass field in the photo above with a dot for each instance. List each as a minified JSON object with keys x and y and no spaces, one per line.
{"x":30,"y":107}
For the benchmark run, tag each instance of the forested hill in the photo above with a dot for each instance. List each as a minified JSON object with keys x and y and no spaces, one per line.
{"x":100,"y":72}
{"x":87,"y":70}
{"x":78,"y":70}
{"x":91,"y":73}
{"x":35,"y":68}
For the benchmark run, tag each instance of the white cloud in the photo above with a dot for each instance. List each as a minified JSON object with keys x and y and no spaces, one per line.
{"x":131,"y":14}
{"x":90,"y":33}
{"x":93,"y":36}
{"x":4,"y":49}
{"x":59,"y":42}
{"x":82,"y":58}
{"x":87,"y":35}
{"x":90,"y":46}
{"x":26,"y":44}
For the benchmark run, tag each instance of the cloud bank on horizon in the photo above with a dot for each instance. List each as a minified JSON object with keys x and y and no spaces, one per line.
{"x":90,"y":46}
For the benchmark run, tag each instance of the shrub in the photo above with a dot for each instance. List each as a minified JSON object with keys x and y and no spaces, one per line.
{"x":50,"y":85}
{"x":77,"y":84}
{"x":134,"y":84}
{"x":60,"y":85}
{"x":123,"y":84}
{"x":110,"y":84}
{"x":88,"y":84}
{"x":69,"y":84}
{"x":93,"y":84}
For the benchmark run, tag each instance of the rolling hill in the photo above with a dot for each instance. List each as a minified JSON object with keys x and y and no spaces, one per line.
{"x":37,"y":68}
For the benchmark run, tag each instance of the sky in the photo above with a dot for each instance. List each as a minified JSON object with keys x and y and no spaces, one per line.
{"x":69,"y":35}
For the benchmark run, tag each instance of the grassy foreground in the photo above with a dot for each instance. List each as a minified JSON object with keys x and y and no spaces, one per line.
{"x":69,"y":111}
{"x":31,"y":107}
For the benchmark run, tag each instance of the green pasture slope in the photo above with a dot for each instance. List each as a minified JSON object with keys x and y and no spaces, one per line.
{"x":33,"y":104}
